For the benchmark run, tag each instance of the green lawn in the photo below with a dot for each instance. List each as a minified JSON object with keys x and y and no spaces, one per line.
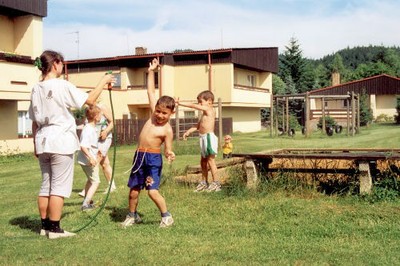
{"x":267,"y":227}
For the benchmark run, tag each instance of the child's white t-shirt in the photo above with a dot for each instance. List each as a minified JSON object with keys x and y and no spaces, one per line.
{"x":51,"y":101}
{"x":89,"y":140}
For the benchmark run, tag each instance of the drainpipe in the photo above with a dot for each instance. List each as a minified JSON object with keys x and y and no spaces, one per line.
{"x":209,"y":71}
{"x":66,"y":71}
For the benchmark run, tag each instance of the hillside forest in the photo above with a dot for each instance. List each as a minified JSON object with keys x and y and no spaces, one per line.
{"x":298,"y":74}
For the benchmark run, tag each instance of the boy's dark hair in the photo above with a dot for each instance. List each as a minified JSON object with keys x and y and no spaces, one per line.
{"x":167,"y":102}
{"x":206,"y":95}
{"x":47,"y":58}
{"x":91,"y":112}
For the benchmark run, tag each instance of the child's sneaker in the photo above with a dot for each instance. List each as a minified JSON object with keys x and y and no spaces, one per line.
{"x":202,"y":186}
{"x":59,"y":233}
{"x":111,"y":190}
{"x":166,"y":221}
{"x":44,"y":232}
{"x":129,"y":220}
{"x":82,"y":194}
{"x":214,"y":186}
{"x":89,"y":207}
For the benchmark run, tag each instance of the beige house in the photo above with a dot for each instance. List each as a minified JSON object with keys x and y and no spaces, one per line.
{"x":240,"y":77}
{"x":21,"y":37}
{"x":382,"y":91}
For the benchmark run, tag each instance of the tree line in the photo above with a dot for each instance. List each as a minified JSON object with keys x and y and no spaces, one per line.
{"x":298,"y":74}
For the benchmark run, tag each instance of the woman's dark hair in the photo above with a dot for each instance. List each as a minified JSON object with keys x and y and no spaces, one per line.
{"x":46,"y":60}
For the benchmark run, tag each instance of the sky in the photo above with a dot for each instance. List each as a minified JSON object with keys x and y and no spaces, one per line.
{"x":82,"y":29}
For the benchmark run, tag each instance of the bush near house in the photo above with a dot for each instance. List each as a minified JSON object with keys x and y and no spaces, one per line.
{"x":329,"y":122}
{"x":397,"y":117}
{"x":383,"y":118}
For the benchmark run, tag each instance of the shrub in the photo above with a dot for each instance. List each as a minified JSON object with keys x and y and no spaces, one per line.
{"x":397,"y":117}
{"x":329,"y":122}
{"x":366,"y":116}
{"x":293,"y":123}
{"x":382,"y":118}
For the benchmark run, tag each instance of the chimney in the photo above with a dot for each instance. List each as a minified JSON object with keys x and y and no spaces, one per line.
{"x":140,"y":50}
{"x":335,"y":78}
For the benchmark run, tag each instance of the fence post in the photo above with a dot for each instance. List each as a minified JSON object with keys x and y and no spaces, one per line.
{"x":358,"y":114}
{"x":323,"y":116}
{"x":353,"y":114}
{"x":365,"y":177}
{"x":287,"y":129}
{"x":308,"y":129}
{"x":348,"y":115}
{"x":271,"y":116}
{"x":177,"y":123}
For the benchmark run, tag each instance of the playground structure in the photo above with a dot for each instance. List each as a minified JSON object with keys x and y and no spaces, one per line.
{"x":281,"y":102}
{"x":306,"y":163}
{"x":328,"y":162}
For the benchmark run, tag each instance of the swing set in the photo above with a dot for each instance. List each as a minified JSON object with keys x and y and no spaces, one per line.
{"x":280,"y":113}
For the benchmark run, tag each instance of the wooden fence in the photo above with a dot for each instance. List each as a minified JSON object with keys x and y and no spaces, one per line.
{"x":337,"y":114}
{"x":128,"y":130}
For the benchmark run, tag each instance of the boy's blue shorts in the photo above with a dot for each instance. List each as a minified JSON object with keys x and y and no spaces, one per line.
{"x":146,"y":164}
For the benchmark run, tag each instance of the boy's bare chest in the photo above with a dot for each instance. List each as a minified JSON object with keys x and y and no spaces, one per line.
{"x":152,"y":131}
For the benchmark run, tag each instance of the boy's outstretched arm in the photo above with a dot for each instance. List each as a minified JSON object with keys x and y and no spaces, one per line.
{"x":151,"y":87}
{"x":190,"y":131}
{"x":194,"y":106}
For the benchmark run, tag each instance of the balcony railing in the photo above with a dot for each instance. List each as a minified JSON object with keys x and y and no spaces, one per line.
{"x":10,"y":57}
{"x":250,"y":88}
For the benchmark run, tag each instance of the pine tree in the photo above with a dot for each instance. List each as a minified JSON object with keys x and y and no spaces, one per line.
{"x":365,"y":111}
{"x":294,"y":68}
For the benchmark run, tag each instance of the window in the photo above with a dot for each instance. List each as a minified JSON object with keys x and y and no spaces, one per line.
{"x":24,"y":124}
{"x":251,"y":80}
{"x":345,"y":103}
{"x":117,"y":80}
{"x":155,"y":79}
{"x":189,"y":114}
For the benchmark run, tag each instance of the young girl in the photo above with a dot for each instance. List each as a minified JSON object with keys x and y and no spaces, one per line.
{"x":104,"y":128}
{"x":90,"y":156}
{"x":227,"y":147}
{"x":54,"y":136}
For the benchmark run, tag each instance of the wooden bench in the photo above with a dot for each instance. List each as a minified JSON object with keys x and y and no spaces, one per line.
{"x":362,"y":158}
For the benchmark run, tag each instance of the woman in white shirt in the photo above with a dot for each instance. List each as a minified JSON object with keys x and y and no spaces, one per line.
{"x":55,"y":138}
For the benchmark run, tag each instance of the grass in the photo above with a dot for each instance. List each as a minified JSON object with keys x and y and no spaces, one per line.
{"x":235,"y":227}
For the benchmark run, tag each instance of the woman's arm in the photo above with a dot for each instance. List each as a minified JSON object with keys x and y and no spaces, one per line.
{"x":94,"y":94}
{"x":34,"y":131}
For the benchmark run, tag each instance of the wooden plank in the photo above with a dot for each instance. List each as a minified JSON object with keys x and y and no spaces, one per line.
{"x":371,"y":156}
{"x":220,"y":164}
{"x":312,"y":170}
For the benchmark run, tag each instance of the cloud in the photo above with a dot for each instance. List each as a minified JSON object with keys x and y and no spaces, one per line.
{"x":321,"y":27}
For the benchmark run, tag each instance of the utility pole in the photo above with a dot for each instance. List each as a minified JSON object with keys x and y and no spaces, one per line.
{"x":77,"y":44}
{"x":76,"y":41}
